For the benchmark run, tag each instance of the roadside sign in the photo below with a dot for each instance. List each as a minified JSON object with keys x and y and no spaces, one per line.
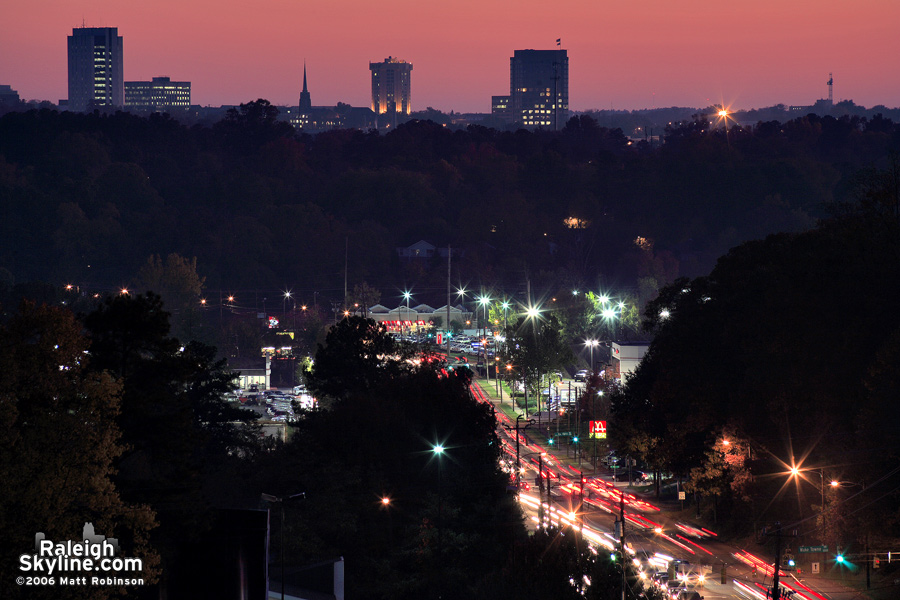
{"x":598,"y":430}
{"x":807,"y":549}
{"x":815,"y":567}
{"x":682,"y":495}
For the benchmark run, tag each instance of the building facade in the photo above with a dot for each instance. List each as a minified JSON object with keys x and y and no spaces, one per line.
{"x":391,"y":89}
{"x":158,"y":95}
{"x":9,"y":98}
{"x":96,"y":74}
{"x":539,"y":88}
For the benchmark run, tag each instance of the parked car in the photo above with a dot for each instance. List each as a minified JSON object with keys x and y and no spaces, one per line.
{"x":582,"y":375}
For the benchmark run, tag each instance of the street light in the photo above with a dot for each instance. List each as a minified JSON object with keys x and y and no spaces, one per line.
{"x":281,"y":500}
{"x":438,"y":451}
{"x":591,"y":344}
{"x":484,"y":301}
{"x":406,"y":295}
{"x":541,"y":456}
{"x":840,"y":557}
{"x":529,"y":423}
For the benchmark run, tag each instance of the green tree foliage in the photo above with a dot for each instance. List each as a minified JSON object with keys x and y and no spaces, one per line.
{"x":784,"y":343}
{"x":357,"y":354}
{"x":557,"y":563}
{"x":365,"y":296}
{"x":59,"y":443}
{"x":179,"y":285}
{"x":180,"y":436}
{"x":450,"y":518}
{"x":259,"y":205}
{"x":535,"y":347}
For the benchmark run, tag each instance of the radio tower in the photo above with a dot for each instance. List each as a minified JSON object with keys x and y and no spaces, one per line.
{"x":830,"y":89}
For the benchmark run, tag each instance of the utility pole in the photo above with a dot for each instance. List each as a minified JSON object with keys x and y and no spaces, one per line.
{"x":776,"y":590}
{"x":541,"y":490}
{"x":529,"y":423}
{"x":346,"y":263}
{"x":622,"y":538}
{"x":449,"y":254}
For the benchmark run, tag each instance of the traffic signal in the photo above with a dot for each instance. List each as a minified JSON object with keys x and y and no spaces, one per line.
{"x":550,"y":441}
{"x":575,"y":439}
{"x":839,"y":558}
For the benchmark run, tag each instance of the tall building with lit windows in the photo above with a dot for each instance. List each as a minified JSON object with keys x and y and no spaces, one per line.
{"x":391,"y":91}
{"x":161,"y":94}
{"x":96,"y":75}
{"x":539,"y":88}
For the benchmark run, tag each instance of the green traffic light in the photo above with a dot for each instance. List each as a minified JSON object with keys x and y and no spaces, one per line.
{"x":839,"y":558}
{"x":612,"y":556}
{"x":575,"y":439}
{"x":550,"y":441}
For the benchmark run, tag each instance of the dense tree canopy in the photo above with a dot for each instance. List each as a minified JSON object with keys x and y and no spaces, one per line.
{"x":87,"y":198}
{"x":781,"y":351}
{"x":60,"y":443}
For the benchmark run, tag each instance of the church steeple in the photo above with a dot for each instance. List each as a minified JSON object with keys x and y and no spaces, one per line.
{"x":305,"y":101}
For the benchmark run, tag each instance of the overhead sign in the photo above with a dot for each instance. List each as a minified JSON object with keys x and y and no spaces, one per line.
{"x":598,"y":430}
{"x":807,"y":549}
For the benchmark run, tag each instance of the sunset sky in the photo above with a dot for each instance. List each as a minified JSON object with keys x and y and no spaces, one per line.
{"x":624,"y":54}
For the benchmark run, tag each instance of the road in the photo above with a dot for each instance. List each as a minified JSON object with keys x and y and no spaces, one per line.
{"x":589,"y":499}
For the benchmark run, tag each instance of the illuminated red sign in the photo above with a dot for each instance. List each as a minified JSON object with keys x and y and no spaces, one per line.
{"x":598,"y":430}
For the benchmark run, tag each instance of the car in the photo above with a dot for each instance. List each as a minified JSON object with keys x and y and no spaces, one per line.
{"x":582,"y":375}
{"x":621,"y":474}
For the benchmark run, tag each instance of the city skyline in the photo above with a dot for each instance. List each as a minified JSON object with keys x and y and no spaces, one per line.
{"x":747,"y":55}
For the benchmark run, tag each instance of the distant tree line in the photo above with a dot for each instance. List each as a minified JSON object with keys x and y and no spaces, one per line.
{"x":784,"y":356}
{"x":87,"y":198}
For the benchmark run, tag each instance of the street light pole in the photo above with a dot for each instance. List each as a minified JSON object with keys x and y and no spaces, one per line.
{"x":823,"y":530}
{"x":281,"y":500}
{"x":484,"y":301}
{"x":529,"y":423}
{"x":407,"y":296}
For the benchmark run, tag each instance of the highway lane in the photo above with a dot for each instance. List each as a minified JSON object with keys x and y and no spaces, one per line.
{"x":594,"y":503}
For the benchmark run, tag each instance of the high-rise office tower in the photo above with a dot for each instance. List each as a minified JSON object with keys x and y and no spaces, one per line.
{"x":539,"y":88}
{"x":390,"y":86}
{"x":96,"y":76}
{"x":161,"y":94}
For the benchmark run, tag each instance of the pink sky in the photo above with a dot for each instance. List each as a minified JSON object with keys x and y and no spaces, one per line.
{"x":625,"y":54}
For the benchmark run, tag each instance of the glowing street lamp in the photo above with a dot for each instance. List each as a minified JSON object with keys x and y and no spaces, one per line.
{"x":406,"y":296}
{"x":484,"y":301}
{"x":591,"y":344}
{"x":438,"y":451}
